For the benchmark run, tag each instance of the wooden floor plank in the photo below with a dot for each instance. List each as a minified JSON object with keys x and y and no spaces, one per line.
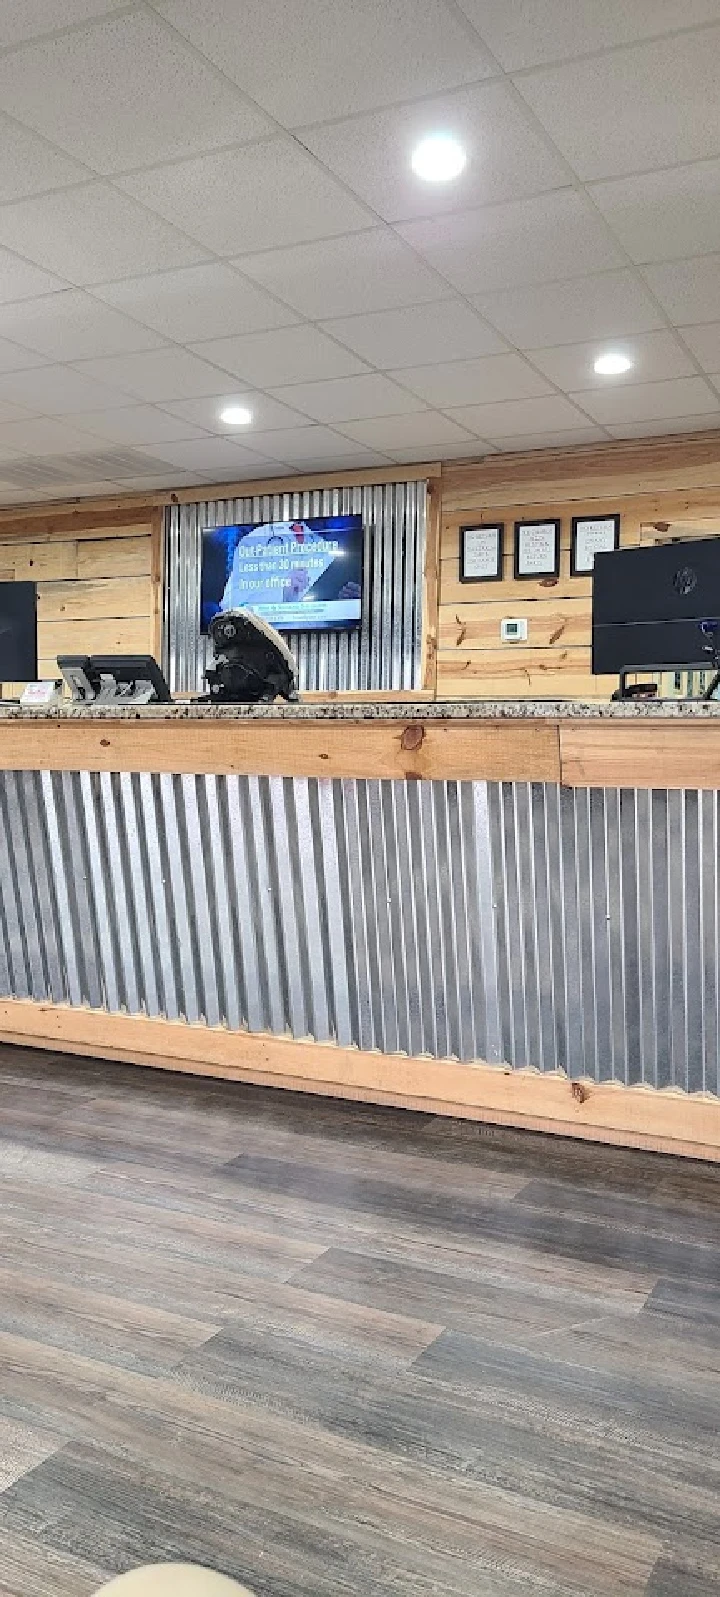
{"x":30,"y":1568}
{"x":575,"y":1238}
{"x":336,"y":1349}
{"x":21,"y":1447}
{"x":465,"y":1302}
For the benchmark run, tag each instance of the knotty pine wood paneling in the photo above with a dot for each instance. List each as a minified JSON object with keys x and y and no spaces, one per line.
{"x":95,"y":580}
{"x":660,"y":487}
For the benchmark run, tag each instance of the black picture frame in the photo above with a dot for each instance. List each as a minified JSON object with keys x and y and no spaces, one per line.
{"x":551,"y":570}
{"x":611,"y":521}
{"x":496,"y":575}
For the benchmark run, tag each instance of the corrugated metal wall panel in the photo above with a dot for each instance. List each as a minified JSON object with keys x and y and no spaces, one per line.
{"x":574,"y":930}
{"x":384,"y":653}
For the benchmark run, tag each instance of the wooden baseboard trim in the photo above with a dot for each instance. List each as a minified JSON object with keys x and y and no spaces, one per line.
{"x":636,"y":1117}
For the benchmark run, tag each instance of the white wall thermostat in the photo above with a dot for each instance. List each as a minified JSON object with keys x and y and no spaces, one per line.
{"x":513,"y":630}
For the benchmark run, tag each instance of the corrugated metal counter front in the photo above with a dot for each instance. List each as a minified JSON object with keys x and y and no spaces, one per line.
{"x":523,"y":924}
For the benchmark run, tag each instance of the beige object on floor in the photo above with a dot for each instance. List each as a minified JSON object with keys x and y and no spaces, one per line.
{"x":173,"y":1580}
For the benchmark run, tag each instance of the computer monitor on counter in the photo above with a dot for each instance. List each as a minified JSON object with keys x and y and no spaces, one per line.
{"x":657,"y":609}
{"x":18,"y":631}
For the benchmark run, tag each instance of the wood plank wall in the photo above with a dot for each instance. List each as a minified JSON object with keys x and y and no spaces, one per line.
{"x":673,"y":480}
{"x":99,"y":566}
{"x":98,"y":576}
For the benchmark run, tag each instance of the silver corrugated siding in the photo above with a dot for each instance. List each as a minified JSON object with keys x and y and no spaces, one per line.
{"x":384,"y":653}
{"x":517,"y":922}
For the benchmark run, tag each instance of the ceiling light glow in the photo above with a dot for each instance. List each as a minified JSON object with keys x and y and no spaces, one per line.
{"x":438,"y":158}
{"x":236,"y":416}
{"x":612,"y":365}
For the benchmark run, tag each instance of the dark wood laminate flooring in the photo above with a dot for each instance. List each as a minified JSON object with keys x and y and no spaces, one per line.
{"x":338,"y":1350}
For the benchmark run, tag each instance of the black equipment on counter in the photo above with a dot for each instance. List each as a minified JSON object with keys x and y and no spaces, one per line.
{"x":252,"y":662}
{"x":18,"y":631}
{"x":657,"y":609}
{"x":114,"y":678}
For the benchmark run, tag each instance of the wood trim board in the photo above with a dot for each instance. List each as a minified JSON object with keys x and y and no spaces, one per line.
{"x":157,"y":573}
{"x":669,"y":754}
{"x":574,"y":753}
{"x":665,"y":1121}
{"x":411,"y":750}
{"x":430,"y":588}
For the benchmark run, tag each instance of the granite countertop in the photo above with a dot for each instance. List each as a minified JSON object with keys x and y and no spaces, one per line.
{"x":369,"y":710}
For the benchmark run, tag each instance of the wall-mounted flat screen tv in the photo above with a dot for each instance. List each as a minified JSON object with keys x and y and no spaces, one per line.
{"x":301,"y":576}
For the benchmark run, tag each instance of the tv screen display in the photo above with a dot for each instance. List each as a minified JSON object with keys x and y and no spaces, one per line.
{"x":301,"y":576}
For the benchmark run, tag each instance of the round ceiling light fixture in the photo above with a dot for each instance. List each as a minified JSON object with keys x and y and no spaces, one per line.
{"x":438,"y":158}
{"x":236,"y":416}
{"x":613,"y":364}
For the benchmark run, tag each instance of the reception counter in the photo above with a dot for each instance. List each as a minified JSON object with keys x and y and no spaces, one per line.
{"x":509,"y":912}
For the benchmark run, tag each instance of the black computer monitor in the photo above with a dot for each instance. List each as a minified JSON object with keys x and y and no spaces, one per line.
{"x":656,"y":608}
{"x":18,"y":631}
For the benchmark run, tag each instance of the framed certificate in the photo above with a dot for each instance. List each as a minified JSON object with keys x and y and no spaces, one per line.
{"x":537,"y":549}
{"x":481,"y":553}
{"x":591,"y":535}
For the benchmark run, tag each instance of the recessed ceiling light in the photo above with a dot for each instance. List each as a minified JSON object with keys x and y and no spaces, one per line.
{"x":438,"y":158}
{"x":612,"y":365}
{"x":236,"y":416}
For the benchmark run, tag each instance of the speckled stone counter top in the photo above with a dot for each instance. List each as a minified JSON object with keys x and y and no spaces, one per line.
{"x":378,"y":710}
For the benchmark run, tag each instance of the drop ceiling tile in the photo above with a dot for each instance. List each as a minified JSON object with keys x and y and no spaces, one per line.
{"x":469,"y":382}
{"x":427,"y":430}
{"x":92,"y":234}
{"x":210,"y":455}
{"x":664,"y":215}
{"x":13,"y":358}
{"x":172,"y":477}
{"x":351,"y":458}
{"x":610,"y":305}
{"x":136,"y":424}
{"x":26,"y":19}
{"x":72,"y":326}
{"x":163,"y":374}
{"x":258,"y":198}
{"x":42,"y":437}
{"x":57,"y":391}
{"x":689,"y":290}
{"x":525,"y":35}
{"x":526,"y":241}
{"x":471,"y":450}
{"x":672,"y":424}
{"x":291,"y":355}
{"x":350,"y":398}
{"x":506,"y":156}
{"x":302,"y":446}
{"x":654,"y":356}
{"x":267,"y":413}
{"x":86,"y":490}
{"x":447,"y":330}
{"x":22,"y":496}
{"x":516,"y":416}
{"x":29,"y":165}
{"x":371,"y":271}
{"x":574,"y":439}
{"x":8,"y":463}
{"x":684,"y":396}
{"x":649,"y":106}
{"x":9,"y":411}
{"x":704,"y":341}
{"x":306,"y":63}
{"x":21,"y":280}
{"x":124,"y":92}
{"x":196,"y":302}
